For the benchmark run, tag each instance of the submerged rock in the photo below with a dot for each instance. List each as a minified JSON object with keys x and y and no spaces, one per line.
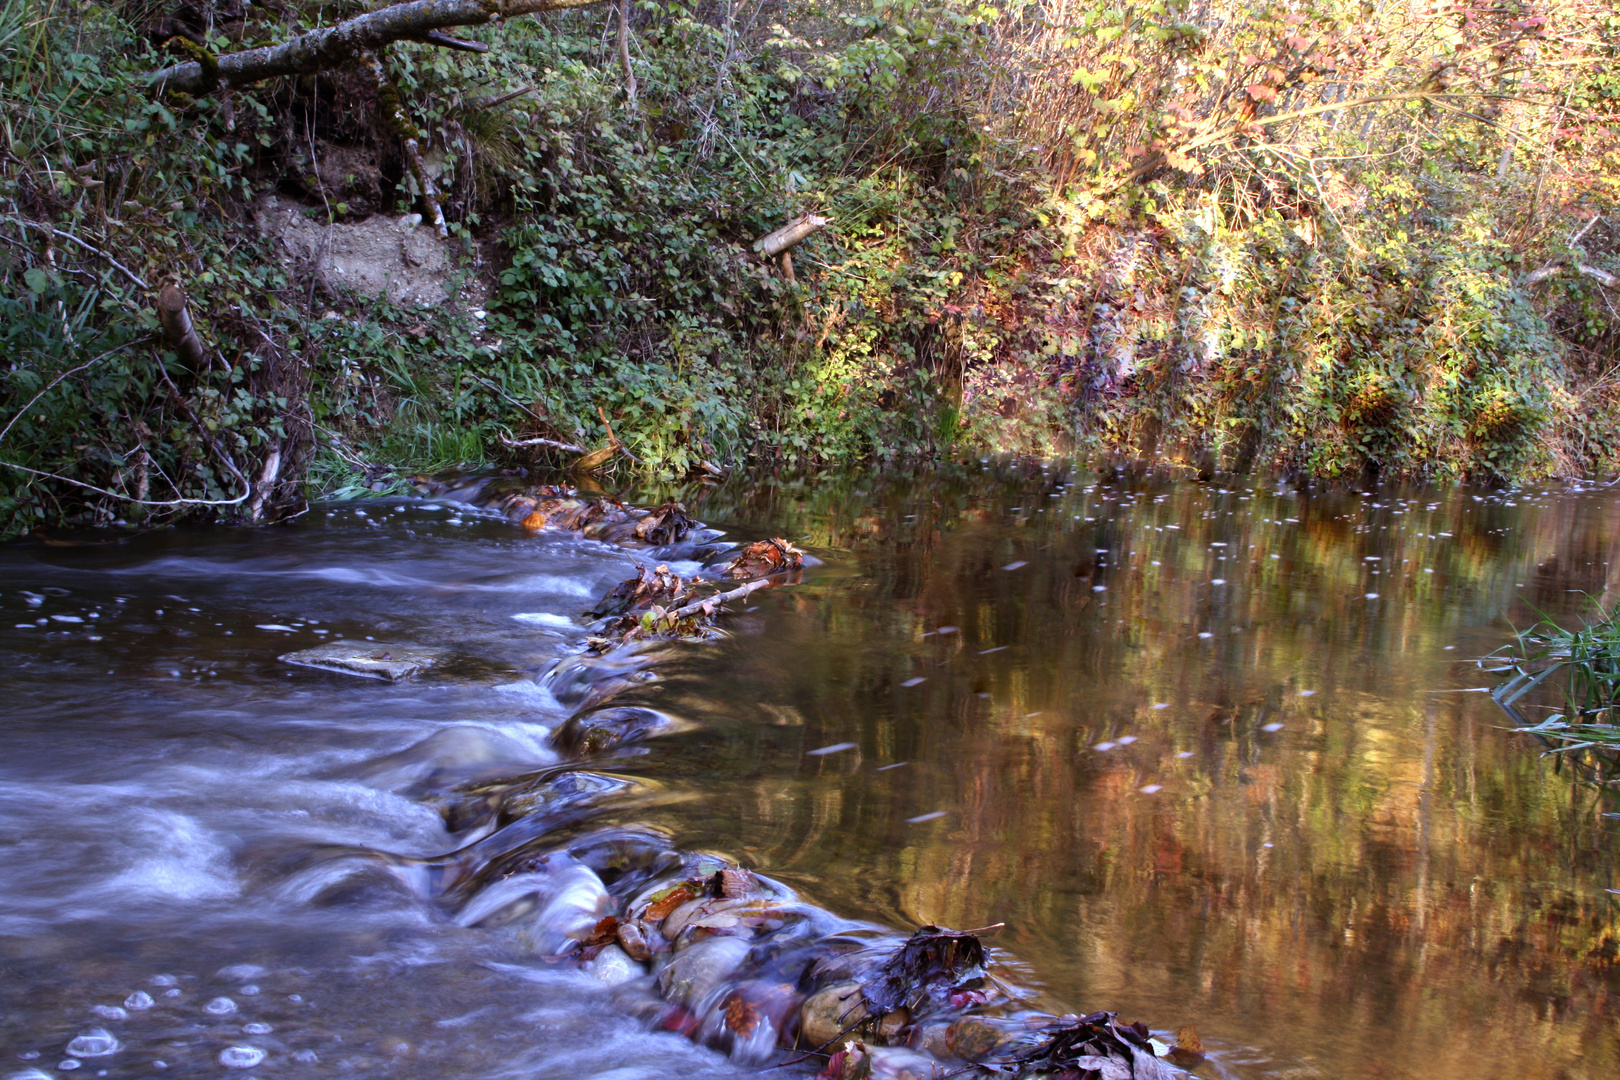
{"x":367,"y":658}
{"x":605,"y":729}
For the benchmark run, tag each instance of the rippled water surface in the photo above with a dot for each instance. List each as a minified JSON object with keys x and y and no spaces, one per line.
{"x":1208,"y":753}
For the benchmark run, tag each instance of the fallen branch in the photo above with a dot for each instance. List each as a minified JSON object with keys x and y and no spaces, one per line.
{"x":342,"y":43}
{"x":710,"y":603}
{"x":549,"y":444}
{"x":399,"y":118}
{"x":794,"y":232}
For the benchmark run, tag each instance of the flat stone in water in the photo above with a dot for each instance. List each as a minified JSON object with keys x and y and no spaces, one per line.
{"x":370,"y":659}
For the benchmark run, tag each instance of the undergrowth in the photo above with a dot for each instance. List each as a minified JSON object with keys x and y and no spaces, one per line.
{"x":1021,"y":255}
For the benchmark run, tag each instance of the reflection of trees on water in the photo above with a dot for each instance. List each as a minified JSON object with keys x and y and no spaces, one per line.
{"x":1387,"y":876}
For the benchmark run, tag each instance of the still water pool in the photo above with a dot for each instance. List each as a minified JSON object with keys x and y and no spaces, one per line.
{"x":1211,"y":754}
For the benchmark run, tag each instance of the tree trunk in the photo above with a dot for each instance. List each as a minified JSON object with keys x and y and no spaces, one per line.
{"x":624,"y":55}
{"x":339,"y":44}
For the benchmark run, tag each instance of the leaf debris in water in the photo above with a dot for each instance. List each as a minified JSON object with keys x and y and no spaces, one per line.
{"x":835,"y":748}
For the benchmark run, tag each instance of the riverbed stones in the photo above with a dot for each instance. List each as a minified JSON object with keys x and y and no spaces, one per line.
{"x":695,"y":973}
{"x":368,"y":659}
{"x":829,"y":1013}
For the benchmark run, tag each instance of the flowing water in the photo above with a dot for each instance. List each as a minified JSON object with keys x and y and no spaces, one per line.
{"x":1210,"y":755}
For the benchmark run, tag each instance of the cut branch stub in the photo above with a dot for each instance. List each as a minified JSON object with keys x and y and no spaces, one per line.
{"x":340,"y":44}
{"x":178,"y":332}
{"x":794,"y":232}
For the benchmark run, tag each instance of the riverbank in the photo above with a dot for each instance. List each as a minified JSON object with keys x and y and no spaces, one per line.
{"x":1019,"y":258}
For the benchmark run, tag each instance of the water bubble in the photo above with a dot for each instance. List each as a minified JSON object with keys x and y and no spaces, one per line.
{"x":1184,"y":754}
{"x":1104,"y":746}
{"x":220,"y":1006}
{"x":1272,"y":727}
{"x":29,"y":1074}
{"x":250,"y":990}
{"x":295,"y":998}
{"x":138,"y":1001}
{"x":920,"y":818}
{"x":835,"y":748}
{"x":1015,"y":565}
{"x":160,"y":1064}
{"x":97,"y":1042}
{"x":111,"y":1012}
{"x":257,"y":1028}
{"x":915,"y":681}
{"x":171,"y":993}
{"x":241,"y":1057}
{"x":1161,"y":704}
{"x":1205,"y":634}
{"x":28,"y":1055}
{"x":1372,"y":596}
{"x":306,"y":1057}
{"x":1126,"y":740}
{"x":1151,"y":789}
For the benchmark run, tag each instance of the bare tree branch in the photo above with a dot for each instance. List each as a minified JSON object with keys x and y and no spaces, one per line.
{"x":341,"y":43}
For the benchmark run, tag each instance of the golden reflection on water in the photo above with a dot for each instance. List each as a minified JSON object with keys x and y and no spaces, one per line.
{"x":1259,"y":806}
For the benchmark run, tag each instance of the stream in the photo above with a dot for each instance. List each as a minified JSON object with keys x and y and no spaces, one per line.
{"x":1214,"y":755}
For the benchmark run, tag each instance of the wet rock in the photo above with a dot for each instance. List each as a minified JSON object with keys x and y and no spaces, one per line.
{"x":559,"y":792}
{"x":452,"y":755}
{"x":614,"y":966}
{"x":752,"y":1020}
{"x":634,"y":942}
{"x":829,"y":1013}
{"x":579,"y":903}
{"x":693,"y":975}
{"x":605,"y":729}
{"x":899,"y":1063}
{"x":367,"y":659}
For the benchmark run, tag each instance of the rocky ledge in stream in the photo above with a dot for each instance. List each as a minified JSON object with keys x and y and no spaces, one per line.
{"x":693,"y":942}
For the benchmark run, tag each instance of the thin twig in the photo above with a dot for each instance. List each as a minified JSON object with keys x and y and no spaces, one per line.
{"x":88,"y":247}
{"x":54,"y":382}
{"x":126,"y":498}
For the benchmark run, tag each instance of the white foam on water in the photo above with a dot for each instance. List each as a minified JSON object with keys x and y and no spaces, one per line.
{"x":180,"y":860}
{"x":544,"y":618}
{"x":531,"y":694}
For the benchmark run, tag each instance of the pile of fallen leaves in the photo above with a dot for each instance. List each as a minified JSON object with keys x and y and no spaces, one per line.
{"x":763,"y":558}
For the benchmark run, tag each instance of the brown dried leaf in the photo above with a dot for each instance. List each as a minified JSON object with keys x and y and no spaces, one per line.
{"x":666,"y":902}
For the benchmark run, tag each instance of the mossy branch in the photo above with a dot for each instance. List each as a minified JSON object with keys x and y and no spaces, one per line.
{"x":341,"y":44}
